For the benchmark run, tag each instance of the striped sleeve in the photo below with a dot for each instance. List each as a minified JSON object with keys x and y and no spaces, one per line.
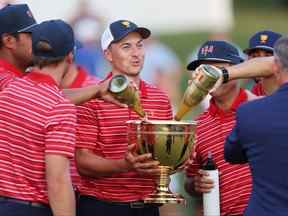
{"x":87,"y":128}
{"x":61,"y":130}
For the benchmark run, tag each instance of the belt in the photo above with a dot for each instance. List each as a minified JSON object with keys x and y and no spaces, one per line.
{"x":24,"y":202}
{"x":134,"y":204}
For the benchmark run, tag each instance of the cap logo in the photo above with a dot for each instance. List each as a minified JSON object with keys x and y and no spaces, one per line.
{"x":126,"y":24}
{"x":263,"y":38}
{"x":207,"y":49}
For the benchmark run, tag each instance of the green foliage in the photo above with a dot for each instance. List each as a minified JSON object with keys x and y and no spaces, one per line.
{"x":263,"y":4}
{"x":247,"y":22}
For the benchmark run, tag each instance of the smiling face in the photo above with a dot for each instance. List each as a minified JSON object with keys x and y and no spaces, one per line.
{"x":127,"y":55}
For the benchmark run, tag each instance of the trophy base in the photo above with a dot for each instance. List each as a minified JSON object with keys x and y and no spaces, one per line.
{"x":163,"y":198}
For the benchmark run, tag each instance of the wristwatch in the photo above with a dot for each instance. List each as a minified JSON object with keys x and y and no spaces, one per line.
{"x":225,"y":75}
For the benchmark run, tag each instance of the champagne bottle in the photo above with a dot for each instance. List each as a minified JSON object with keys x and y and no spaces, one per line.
{"x":203,"y":80}
{"x":125,"y":93}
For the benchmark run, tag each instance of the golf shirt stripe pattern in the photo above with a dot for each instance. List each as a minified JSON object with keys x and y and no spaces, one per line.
{"x":35,"y":120}
{"x":211,"y":131}
{"x":102,"y":129}
{"x":82,"y":79}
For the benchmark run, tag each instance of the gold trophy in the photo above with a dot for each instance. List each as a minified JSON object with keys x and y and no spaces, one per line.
{"x":125,"y":93}
{"x":203,"y":80}
{"x":170,"y":143}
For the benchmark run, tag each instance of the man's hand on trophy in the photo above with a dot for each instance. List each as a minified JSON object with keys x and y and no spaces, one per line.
{"x":202,"y":183}
{"x":141,"y":163}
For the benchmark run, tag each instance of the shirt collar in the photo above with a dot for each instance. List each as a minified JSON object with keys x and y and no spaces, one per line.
{"x":79,"y":79}
{"x":215,"y":110}
{"x":5,"y":64}
{"x":39,"y":77}
{"x":142,"y":85}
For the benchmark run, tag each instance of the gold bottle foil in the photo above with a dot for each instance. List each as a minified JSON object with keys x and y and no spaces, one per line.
{"x":203,"y":80}
{"x":122,"y":91}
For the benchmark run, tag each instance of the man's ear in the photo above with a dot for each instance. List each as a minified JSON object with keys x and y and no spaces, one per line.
{"x":276,"y":67}
{"x":108,"y":54}
{"x":8,"y":41}
{"x":70,"y":58}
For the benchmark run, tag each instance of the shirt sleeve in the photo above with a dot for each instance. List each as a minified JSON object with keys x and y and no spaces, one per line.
{"x":87,"y":127}
{"x":233,"y":149}
{"x":61,"y":130}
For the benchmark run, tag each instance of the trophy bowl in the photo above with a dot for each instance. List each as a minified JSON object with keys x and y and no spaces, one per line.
{"x":170,"y":143}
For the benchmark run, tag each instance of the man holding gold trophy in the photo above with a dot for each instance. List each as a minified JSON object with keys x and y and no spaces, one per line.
{"x":115,"y":179}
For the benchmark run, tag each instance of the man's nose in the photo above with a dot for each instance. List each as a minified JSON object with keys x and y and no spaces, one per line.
{"x":135,"y":51}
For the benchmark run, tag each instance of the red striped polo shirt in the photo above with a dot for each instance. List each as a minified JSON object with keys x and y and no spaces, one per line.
{"x":102,"y":128}
{"x":258,"y":90}
{"x":82,"y":79}
{"x":35,"y":120}
{"x":8,"y":72}
{"x":211,"y":131}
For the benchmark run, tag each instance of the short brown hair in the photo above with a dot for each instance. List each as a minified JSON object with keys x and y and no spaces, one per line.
{"x":44,"y":46}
